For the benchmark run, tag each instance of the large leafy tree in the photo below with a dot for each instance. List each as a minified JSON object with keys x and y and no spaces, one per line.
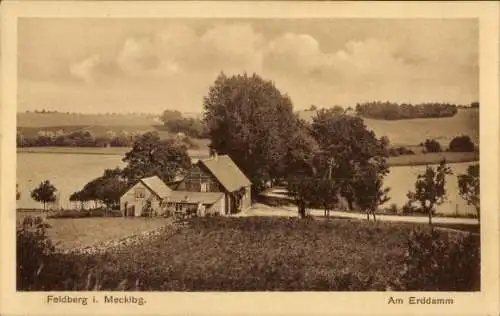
{"x":249,"y":119}
{"x":44,"y":193}
{"x":151,"y":156}
{"x":106,"y":189}
{"x":369,"y":191}
{"x":348,"y":149}
{"x":469,"y":187}
{"x":430,"y":188}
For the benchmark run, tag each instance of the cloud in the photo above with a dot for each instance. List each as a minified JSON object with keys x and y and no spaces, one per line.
{"x":180,"y":59}
{"x":85,"y":69}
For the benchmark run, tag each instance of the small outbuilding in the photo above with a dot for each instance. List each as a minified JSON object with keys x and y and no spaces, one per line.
{"x":151,"y":190}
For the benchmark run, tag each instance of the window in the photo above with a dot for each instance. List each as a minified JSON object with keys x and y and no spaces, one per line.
{"x":140,"y":193}
{"x":204,"y":187}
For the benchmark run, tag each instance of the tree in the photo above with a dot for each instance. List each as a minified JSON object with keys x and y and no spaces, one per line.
{"x":249,"y":119}
{"x":369,"y":192}
{"x":301,"y":188}
{"x":151,"y":156}
{"x":44,"y":193}
{"x":469,"y":187}
{"x":462,"y":144}
{"x":430,"y":188}
{"x":432,"y":146}
{"x":169,"y":115}
{"x":347,"y":147}
{"x":106,"y":189}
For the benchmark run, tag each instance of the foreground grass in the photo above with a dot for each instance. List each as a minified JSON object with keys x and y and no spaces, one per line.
{"x":67,"y":233}
{"x":266,"y":254}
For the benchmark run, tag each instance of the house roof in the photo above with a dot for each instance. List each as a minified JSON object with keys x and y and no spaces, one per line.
{"x":227,"y":172}
{"x":194,"y":197}
{"x":157,"y":186}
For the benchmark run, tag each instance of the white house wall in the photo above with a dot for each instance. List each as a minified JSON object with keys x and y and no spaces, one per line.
{"x":130,"y":199}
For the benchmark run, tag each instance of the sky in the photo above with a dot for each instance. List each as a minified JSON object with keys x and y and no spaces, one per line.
{"x":149,"y":65}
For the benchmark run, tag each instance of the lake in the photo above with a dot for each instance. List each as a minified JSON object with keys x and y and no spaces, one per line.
{"x":70,"y":172}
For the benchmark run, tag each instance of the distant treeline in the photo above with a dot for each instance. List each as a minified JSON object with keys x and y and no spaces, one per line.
{"x":85,"y":139}
{"x":76,"y":139}
{"x":174,"y":122}
{"x":395,"y":111}
{"x":45,"y":111}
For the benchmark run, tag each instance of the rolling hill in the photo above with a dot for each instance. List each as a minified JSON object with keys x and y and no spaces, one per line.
{"x":414,"y":131}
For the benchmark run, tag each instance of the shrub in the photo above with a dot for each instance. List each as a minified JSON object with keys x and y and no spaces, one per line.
{"x":462,"y":144}
{"x":33,"y":250}
{"x":398,"y":151}
{"x":432,"y":146}
{"x":436,"y":262}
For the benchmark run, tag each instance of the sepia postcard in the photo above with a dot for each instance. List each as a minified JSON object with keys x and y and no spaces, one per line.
{"x":249,"y":158}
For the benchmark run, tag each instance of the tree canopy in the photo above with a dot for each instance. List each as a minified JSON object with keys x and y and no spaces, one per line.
{"x":469,"y":187}
{"x":349,"y":148}
{"x":151,"y":156}
{"x":44,"y":193}
{"x":249,"y":119}
{"x":430,"y":188}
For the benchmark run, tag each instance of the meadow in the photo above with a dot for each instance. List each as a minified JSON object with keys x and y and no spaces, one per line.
{"x":275,"y":254}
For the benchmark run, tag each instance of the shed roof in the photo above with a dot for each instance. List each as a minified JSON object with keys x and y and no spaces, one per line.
{"x":227,"y":172}
{"x":157,"y":186}
{"x":194,"y":197}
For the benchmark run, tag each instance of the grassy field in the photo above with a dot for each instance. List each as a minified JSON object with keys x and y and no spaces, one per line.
{"x":70,"y":233}
{"x":432,"y":158}
{"x":269,"y":254}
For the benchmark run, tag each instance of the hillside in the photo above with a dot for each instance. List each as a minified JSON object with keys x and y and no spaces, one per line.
{"x":414,"y":131}
{"x":60,"y":119}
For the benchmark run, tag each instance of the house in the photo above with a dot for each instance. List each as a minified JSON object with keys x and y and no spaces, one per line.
{"x":151,"y":189}
{"x":219,"y":174}
{"x":212,"y":186}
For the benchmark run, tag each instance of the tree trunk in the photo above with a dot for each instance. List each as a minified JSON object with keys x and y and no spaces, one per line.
{"x":302,"y":209}
{"x":374,"y":218}
{"x":350,"y":203}
{"x":430,"y":217}
{"x":367,"y":216}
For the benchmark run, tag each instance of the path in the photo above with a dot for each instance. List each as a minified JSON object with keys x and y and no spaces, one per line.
{"x":291,"y":211}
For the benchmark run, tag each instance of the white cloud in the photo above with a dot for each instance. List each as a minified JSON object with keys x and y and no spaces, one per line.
{"x":84,"y":69}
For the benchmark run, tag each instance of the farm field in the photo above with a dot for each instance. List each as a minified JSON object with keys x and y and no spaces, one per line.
{"x":271,"y":254}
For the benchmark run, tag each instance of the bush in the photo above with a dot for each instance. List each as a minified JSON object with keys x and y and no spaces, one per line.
{"x":462,"y":144}
{"x":432,"y":146}
{"x":399,"y":151}
{"x":33,"y":250}
{"x":439,"y":262}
